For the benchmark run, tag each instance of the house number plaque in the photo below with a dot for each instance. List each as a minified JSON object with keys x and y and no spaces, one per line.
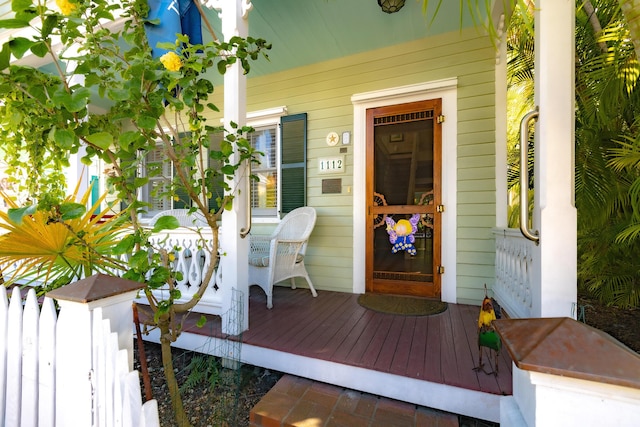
{"x":331,"y":164}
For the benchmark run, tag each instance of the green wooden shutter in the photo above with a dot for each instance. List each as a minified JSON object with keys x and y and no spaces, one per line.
{"x":218,"y":188}
{"x":293,"y":162}
{"x":182,"y":199}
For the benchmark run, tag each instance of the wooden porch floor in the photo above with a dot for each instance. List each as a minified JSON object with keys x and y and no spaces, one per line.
{"x":333,"y":328}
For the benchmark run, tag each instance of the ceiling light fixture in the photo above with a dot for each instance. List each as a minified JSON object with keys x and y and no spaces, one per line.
{"x":391,"y":6}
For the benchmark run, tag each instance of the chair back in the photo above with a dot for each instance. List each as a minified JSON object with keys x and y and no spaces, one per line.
{"x":296,"y":225}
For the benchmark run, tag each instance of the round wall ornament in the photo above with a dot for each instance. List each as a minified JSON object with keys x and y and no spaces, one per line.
{"x":332,"y":139}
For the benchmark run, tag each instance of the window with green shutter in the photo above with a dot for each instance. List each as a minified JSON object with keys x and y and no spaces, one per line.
{"x":282,"y":142}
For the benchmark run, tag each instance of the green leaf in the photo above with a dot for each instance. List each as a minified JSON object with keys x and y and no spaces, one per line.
{"x":78,"y":99}
{"x":134,"y":275}
{"x":39,"y":49}
{"x":118,"y":95}
{"x":86,"y":160}
{"x":147,"y":122}
{"x":19,"y":46}
{"x":222,"y":67}
{"x":201,"y":321}
{"x":140,"y":181}
{"x":72,"y":210}
{"x":160,"y":276}
{"x":49,"y":25}
{"x":228,"y":169}
{"x":166,"y":223}
{"x":162,"y":309}
{"x":103,"y":140}
{"x":73,"y":102}
{"x":128,"y":138}
{"x":21,"y":5}
{"x":16,"y":214}
{"x":13,"y":23}
{"x":5,"y":57}
{"x":124,"y":246}
{"x":64,"y":138}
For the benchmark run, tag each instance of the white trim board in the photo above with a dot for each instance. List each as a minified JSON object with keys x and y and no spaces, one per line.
{"x":443,"y":397}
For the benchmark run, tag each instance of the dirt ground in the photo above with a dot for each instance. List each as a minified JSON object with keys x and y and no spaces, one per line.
{"x":622,"y":324}
{"x":228,"y":403}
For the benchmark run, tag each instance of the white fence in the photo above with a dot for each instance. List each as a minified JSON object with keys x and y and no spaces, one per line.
{"x":52,"y":376}
{"x":514,"y":260}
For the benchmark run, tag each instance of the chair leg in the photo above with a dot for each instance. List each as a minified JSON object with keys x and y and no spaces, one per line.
{"x":270,"y":300}
{"x":293,"y":283}
{"x":313,"y":290}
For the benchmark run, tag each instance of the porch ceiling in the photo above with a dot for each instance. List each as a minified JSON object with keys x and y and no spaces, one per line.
{"x":310,"y":31}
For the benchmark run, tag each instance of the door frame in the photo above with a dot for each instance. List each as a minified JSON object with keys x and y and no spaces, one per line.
{"x":447,"y":90}
{"x":398,"y":286}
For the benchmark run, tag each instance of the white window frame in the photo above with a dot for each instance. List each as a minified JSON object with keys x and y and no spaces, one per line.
{"x":262,"y":119}
{"x":256,"y":119}
{"x":145,"y":191}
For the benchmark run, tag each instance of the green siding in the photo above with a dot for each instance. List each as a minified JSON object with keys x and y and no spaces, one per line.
{"x":324,"y":91}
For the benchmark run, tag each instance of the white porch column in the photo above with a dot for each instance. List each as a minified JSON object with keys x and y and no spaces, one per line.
{"x":235,"y":250}
{"x":76,"y":170}
{"x":554,"y":288}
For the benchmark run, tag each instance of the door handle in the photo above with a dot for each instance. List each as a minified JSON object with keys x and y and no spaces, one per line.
{"x":524,"y":177}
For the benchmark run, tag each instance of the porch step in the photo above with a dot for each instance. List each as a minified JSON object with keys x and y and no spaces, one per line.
{"x":300,"y":402}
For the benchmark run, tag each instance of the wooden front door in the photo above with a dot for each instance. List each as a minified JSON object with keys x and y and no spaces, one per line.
{"x":404,"y":157}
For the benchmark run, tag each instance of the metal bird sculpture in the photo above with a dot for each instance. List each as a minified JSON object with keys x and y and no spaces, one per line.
{"x":487,"y":335}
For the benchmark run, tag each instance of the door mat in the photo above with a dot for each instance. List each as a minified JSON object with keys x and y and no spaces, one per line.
{"x":401,"y":305}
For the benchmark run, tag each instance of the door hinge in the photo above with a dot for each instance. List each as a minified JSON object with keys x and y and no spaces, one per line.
{"x":440,"y":208}
{"x":440,"y":118}
{"x":441,"y":269}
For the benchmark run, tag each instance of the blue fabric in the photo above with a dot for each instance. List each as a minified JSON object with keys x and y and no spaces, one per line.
{"x":175,"y":17}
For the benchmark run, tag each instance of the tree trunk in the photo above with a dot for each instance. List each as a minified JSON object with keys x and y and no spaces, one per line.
{"x":170,"y":376}
{"x":595,"y":23}
{"x":631,"y":12}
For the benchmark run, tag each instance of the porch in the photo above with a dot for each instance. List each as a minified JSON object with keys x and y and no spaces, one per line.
{"x":426,"y":361}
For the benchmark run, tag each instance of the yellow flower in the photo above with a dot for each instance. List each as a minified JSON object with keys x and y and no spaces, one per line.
{"x":172,"y":257}
{"x":171,"y":61}
{"x":66,"y":7}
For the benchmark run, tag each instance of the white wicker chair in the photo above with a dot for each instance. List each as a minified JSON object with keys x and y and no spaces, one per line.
{"x":280,"y":256}
{"x":185,"y":219}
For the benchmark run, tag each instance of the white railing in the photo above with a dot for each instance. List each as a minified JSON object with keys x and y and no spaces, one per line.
{"x":192,"y":261}
{"x":514,"y":266}
{"x":37,"y":386}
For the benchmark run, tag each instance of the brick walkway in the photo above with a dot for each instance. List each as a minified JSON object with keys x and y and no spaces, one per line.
{"x":299,"y":402}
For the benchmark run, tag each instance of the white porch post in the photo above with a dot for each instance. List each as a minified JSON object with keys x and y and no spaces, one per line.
{"x":554,"y":289}
{"x":235,"y":250}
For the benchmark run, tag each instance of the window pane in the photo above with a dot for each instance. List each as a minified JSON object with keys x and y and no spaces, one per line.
{"x":264,"y":140}
{"x":264,"y":197}
{"x":159,"y":203}
{"x":159,"y":174}
{"x":264,"y":191}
